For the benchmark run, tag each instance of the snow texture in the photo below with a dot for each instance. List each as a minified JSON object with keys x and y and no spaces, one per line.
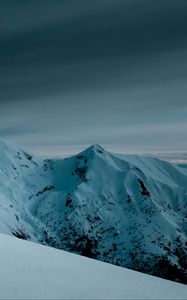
{"x":33,"y":271}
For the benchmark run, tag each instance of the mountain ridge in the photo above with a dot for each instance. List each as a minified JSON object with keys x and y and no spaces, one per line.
{"x":128,"y":210}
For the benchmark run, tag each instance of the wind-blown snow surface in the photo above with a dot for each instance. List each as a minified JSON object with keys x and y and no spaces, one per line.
{"x":123,"y":209}
{"x":31,"y":271}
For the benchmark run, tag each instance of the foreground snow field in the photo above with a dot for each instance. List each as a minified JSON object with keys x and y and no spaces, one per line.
{"x":30,"y":270}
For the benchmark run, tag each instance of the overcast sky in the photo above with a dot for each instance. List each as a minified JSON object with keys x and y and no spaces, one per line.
{"x":75,"y":73}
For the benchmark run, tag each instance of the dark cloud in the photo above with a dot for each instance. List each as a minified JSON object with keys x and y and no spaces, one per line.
{"x":55,"y":43}
{"x":122,"y":62}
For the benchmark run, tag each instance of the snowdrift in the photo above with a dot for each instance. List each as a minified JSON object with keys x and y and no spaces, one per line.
{"x":32,"y":271}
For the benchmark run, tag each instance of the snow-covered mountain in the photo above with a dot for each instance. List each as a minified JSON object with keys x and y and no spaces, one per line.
{"x":123,"y":209}
{"x":32,"y":271}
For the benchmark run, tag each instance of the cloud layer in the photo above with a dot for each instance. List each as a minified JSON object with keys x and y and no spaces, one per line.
{"x":74,"y":73}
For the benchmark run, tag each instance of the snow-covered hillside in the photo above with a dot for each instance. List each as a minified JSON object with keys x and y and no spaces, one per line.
{"x":31,"y":271}
{"x":124,"y":209}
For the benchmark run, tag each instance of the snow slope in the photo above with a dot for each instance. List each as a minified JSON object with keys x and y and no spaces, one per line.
{"x":123,"y":209}
{"x":32,"y":271}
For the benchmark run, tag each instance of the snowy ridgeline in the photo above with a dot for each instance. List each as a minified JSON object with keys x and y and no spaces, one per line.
{"x":29,"y":271}
{"x":127,"y":210}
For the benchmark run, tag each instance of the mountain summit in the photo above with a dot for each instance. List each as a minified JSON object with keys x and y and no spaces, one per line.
{"x":123,"y":209}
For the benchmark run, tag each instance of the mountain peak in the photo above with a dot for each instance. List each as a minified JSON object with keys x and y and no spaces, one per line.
{"x":100,"y":205}
{"x":93,"y":150}
{"x":97,"y":148}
